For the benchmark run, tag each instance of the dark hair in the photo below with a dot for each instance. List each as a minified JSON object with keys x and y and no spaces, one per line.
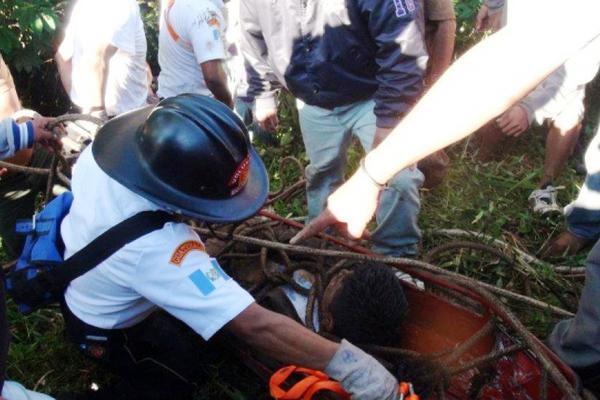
{"x":370,"y":306}
{"x":425,"y":375}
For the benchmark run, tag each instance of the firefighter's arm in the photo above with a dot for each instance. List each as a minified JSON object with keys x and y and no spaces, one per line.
{"x":518,"y":58}
{"x":283,"y":339}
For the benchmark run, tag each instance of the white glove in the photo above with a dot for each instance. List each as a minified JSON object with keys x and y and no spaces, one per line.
{"x":361,"y":375}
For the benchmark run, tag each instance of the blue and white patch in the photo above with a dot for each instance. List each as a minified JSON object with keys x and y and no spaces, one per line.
{"x":209,"y":277}
{"x":404,"y":7}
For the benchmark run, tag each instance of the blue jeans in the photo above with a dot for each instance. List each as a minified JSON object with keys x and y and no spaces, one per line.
{"x":577,"y":340}
{"x":583,"y":214}
{"x":327,"y":135}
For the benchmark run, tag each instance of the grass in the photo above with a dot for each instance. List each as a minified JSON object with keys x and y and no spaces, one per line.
{"x":489,"y":198}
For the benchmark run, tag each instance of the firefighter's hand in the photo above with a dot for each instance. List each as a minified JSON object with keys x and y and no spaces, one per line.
{"x":361,"y":375}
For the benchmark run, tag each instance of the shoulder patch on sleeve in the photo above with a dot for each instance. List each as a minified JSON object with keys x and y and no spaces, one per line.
{"x":184,"y":249}
{"x":209,"y":277}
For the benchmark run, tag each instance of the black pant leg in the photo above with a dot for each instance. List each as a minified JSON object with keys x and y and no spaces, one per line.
{"x":160,"y":358}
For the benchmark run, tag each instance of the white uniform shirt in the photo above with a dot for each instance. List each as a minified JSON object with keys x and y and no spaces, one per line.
{"x":119,"y":23}
{"x":191,"y":33}
{"x":167,"y":268}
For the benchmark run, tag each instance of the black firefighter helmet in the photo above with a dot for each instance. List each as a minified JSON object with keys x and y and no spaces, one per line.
{"x":189,"y":154}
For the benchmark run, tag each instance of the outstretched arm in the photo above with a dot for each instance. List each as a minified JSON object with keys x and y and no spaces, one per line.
{"x":287,"y":341}
{"x":281,"y":338}
{"x":464,"y":98}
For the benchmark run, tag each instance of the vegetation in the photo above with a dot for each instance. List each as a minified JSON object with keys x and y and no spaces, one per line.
{"x":489,"y":198}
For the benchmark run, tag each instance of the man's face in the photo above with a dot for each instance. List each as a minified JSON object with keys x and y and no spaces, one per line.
{"x":335,"y":285}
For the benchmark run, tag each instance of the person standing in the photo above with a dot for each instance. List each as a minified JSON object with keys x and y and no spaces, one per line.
{"x":356,"y":68}
{"x":191,"y":49}
{"x":102,"y":58}
{"x":540,"y":49}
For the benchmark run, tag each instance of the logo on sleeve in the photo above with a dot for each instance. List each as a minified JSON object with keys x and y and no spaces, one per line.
{"x":404,"y":7}
{"x":184,"y":249}
{"x":209,"y":277}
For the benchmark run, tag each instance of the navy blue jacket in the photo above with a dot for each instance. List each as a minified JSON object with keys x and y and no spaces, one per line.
{"x":331,"y":53}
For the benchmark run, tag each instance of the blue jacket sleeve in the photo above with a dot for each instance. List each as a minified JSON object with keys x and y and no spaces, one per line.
{"x":401,"y":56}
{"x":14,"y":137}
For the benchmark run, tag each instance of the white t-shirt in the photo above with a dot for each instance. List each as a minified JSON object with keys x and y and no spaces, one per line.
{"x":238,"y":84}
{"x":119,"y":23}
{"x":191,"y":33}
{"x":167,"y":268}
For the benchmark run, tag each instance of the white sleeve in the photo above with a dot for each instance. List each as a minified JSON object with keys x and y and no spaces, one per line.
{"x":190,"y":285}
{"x":120,"y":29}
{"x":67,"y":45}
{"x":205,"y":33}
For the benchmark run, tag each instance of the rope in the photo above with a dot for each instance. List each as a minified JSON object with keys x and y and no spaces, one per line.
{"x":405,"y":264}
{"x":449,"y":356}
{"x":521,"y":256}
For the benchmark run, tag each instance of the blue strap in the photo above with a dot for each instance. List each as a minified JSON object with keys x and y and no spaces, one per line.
{"x":42,"y":226}
{"x":24,"y":226}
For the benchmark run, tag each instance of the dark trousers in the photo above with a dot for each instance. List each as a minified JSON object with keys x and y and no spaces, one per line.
{"x":18,"y":193}
{"x":159,"y":358}
{"x":4,"y":332}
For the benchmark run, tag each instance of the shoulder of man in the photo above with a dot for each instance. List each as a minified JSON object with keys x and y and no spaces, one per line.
{"x":174,"y":256}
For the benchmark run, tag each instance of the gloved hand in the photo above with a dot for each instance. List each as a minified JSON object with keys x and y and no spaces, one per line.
{"x":361,"y":375}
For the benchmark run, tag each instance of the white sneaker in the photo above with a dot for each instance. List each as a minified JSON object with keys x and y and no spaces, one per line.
{"x":543,"y":201}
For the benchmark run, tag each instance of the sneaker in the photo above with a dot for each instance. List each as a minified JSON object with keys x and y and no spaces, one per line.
{"x":543,"y":201}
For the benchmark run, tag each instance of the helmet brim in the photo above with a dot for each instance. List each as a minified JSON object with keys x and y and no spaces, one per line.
{"x":117,"y":154}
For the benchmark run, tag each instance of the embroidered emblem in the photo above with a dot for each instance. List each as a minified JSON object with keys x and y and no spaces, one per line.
{"x":240,"y":176}
{"x":209,"y":277}
{"x":213,"y":21}
{"x":184,"y":249}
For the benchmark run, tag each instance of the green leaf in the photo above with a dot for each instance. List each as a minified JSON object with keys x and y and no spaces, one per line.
{"x":38,"y":25}
{"x":50,"y":21}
